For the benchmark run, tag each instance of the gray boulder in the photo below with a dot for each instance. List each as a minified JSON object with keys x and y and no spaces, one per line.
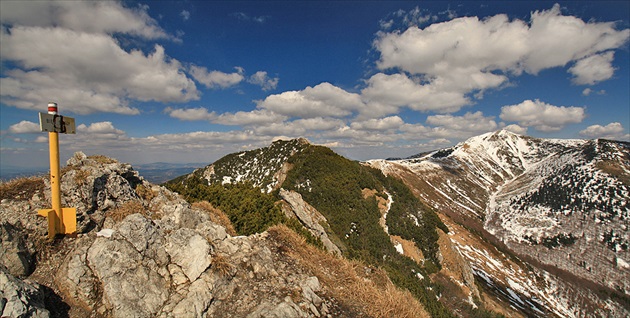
{"x":16,"y":252}
{"x":20,"y":298}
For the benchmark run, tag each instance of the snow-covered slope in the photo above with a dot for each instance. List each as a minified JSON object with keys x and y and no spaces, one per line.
{"x":263,"y":167}
{"x":562,"y":203}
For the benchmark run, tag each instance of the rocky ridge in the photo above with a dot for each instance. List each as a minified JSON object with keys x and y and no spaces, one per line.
{"x":143,"y":251}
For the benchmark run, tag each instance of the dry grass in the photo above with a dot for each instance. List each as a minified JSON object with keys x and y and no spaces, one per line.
{"x":614,"y":169}
{"x":80,"y":177}
{"x":217,"y":216}
{"x":22,"y":188}
{"x":128,"y":208}
{"x":221,"y":265}
{"x":102,"y":159}
{"x":349,"y":280}
{"x":145,"y":193}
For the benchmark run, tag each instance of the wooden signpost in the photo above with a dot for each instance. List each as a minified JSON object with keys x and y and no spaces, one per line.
{"x":60,"y":220}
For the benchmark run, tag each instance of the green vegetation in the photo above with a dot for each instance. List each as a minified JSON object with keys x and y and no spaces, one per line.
{"x":333,"y":184}
{"x":250,"y":211}
{"x":257,"y":166}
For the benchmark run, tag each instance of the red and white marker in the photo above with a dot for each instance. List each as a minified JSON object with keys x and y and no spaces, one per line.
{"x":52,"y":108}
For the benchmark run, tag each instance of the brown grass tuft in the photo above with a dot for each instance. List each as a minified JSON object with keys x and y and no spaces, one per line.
{"x":80,"y":178}
{"x":217,"y":216}
{"x":350,"y":281}
{"x":22,"y":188}
{"x":614,"y":169}
{"x":102,"y":159}
{"x":145,"y":192}
{"x":128,"y":208}
{"x":221,"y":265}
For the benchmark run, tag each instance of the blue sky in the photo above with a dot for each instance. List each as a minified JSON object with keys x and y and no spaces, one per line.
{"x":191,"y":81}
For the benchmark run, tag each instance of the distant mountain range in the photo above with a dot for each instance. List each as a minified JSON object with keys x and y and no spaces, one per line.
{"x":157,"y":172}
{"x":160,"y":172}
{"x":12,"y":172}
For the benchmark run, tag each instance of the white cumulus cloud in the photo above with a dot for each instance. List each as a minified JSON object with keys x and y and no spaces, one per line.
{"x":255,"y":117}
{"x":516,"y":129}
{"x":263,"y":80}
{"x":469,"y":55}
{"x":542,"y":116}
{"x":385,"y":94}
{"x":83,"y":16}
{"x":387,"y":123}
{"x":471,"y":122}
{"x":185,"y":14}
{"x":323,"y":100}
{"x":24,"y":127}
{"x":190,"y":114}
{"x":593,"y":69}
{"x":212,"y":79}
{"x":611,"y":131}
{"x":65,"y":51}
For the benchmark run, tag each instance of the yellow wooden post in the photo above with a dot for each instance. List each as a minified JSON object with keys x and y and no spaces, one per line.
{"x":60,"y":220}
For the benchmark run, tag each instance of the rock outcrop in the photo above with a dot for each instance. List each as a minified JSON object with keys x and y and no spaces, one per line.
{"x":20,"y":298}
{"x":16,"y":252}
{"x":142,"y":251}
{"x":309,"y":217}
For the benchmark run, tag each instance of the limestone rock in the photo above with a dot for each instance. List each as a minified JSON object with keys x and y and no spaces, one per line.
{"x":15,"y":251}
{"x":190,"y":251}
{"x":196,"y":301}
{"x":131,"y":288}
{"x":310,"y":218}
{"x":76,"y":279}
{"x":285,"y":309}
{"x":20,"y":298}
{"x":167,"y":260}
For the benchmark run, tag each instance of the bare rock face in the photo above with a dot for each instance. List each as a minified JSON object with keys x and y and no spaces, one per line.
{"x":138,"y":267}
{"x":186,"y":272}
{"x":131,"y":285}
{"x":95,"y":185}
{"x":20,"y":298}
{"x":457,"y":268}
{"x":190,"y":251}
{"x":16,"y":252}
{"x":310,"y":218}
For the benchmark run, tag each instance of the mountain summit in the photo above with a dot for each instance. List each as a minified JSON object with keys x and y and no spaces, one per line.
{"x":562,"y":204}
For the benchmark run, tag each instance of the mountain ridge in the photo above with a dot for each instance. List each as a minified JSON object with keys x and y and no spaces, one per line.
{"x":535,"y":197}
{"x":377,"y":212}
{"x":466,"y":176}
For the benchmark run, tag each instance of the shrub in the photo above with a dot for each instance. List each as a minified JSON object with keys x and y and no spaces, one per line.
{"x":249,"y":210}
